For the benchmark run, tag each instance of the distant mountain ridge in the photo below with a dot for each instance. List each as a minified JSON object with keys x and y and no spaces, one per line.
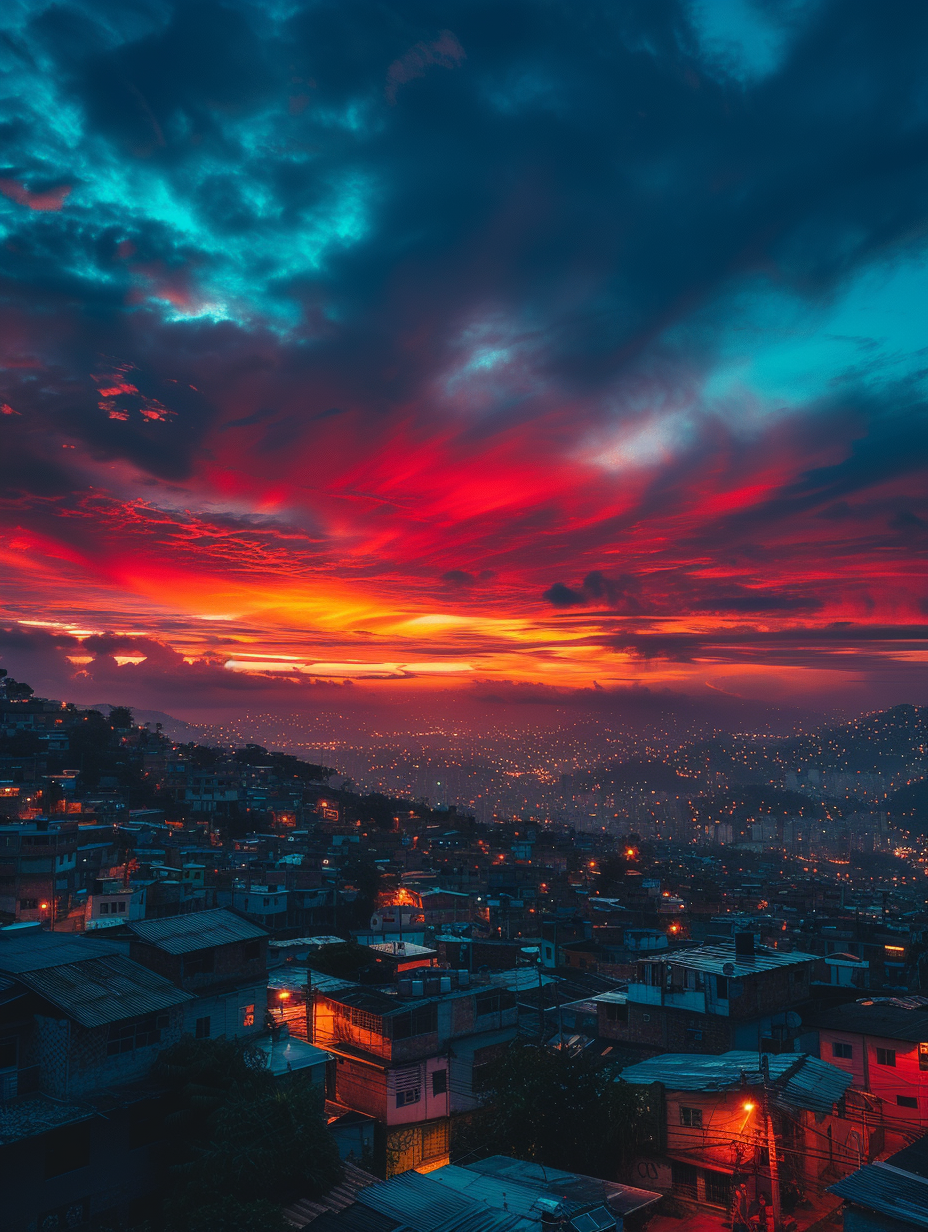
{"x":170,"y":724}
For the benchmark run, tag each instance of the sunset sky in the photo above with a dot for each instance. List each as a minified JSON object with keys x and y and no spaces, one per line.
{"x":420,"y":345}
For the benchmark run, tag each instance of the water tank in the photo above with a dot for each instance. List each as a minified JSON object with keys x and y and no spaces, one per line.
{"x":418,"y":988}
{"x":446,"y":983}
{"x":744,"y":945}
{"x":404,"y":987}
{"x":463,"y":978}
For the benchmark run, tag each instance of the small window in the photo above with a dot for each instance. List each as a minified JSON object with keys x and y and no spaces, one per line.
{"x":120,"y":906}
{"x":439,"y":1081}
{"x":200,"y":963}
{"x":8,"y":1052}
{"x":907,"y":1101}
{"x":923,"y":1056}
{"x":691,"y":1117}
{"x":886,"y":1056}
{"x":247,"y":1015}
{"x":616,"y":1013}
{"x":28,"y":904}
{"x":202,"y":1028}
{"x":842,"y":1050}
{"x":721,"y":987}
{"x":104,"y":908}
{"x":252,"y":950}
{"x":408,"y":1097}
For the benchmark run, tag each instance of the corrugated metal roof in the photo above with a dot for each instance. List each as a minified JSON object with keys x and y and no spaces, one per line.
{"x":716,"y":957}
{"x":373,"y":1001}
{"x":502,"y":1193}
{"x":427,"y":1206}
{"x":889,"y":1191}
{"x":802,"y":1081}
{"x":815,"y":1085}
{"x":622,"y":1199}
{"x":101,"y":990}
{"x":884,"y":1018}
{"x":33,"y":950}
{"x":198,"y":930}
{"x":306,"y":1210}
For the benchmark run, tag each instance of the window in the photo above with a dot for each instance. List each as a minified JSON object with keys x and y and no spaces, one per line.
{"x":120,"y":906}
{"x":202,"y":1028}
{"x":252,"y":950}
{"x":200,"y":963}
{"x":247,"y":1015}
{"x":906,"y":1101}
{"x":842,"y":1050}
{"x":104,"y":908}
{"x":407,"y":1083}
{"x":693,"y":1035}
{"x":683,"y":1178}
{"x":616,"y":1013}
{"x":886,"y":1056}
{"x":718,"y":1188}
{"x":134,"y":1033}
{"x":721,"y":987}
{"x":407,"y":1097}
{"x":416,"y":1022}
{"x":439,"y":1081}
{"x":28,"y":904}
{"x":493,"y":1001}
{"x":66,"y":1149}
{"x":691,"y":1117}
{"x":8,"y":1052}
{"x":923,"y":1056}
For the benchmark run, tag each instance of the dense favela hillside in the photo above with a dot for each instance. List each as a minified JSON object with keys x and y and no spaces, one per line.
{"x":215,"y":954}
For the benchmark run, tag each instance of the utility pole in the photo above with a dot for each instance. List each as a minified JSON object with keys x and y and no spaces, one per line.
{"x":771,"y":1147}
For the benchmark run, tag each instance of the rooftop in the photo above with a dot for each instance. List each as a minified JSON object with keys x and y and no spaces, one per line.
{"x":103,"y":989}
{"x":32,"y":949}
{"x":197,"y":930}
{"x":889,"y":1190}
{"x":803,"y":1081}
{"x":718,"y":958}
{"x":289,"y":1055}
{"x":887,"y":1018}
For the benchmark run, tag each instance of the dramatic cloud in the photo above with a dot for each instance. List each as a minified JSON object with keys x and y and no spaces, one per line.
{"x":446,"y":342}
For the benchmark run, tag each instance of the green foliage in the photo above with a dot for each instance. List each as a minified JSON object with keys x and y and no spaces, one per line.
{"x":343,"y":961}
{"x":558,"y":1110}
{"x":231,"y":1215}
{"x":241,"y":1140}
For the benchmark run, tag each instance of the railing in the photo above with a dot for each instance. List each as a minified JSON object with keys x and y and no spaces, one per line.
{"x":17,"y":1082}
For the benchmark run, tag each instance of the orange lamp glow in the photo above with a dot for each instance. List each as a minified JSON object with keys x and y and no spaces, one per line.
{"x":283,"y":996}
{"x":43,"y":906}
{"x":748,"y":1107}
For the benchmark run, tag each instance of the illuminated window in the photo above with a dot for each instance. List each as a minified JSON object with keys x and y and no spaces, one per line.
{"x":247,"y":1013}
{"x":923,"y":1056}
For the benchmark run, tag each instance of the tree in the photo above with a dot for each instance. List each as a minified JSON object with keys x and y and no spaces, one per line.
{"x":241,"y":1142}
{"x":121,"y":716}
{"x":558,"y":1110}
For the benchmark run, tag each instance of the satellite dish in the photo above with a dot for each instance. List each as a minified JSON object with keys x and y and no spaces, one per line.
{"x":793,"y":1020}
{"x":728,"y":969}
